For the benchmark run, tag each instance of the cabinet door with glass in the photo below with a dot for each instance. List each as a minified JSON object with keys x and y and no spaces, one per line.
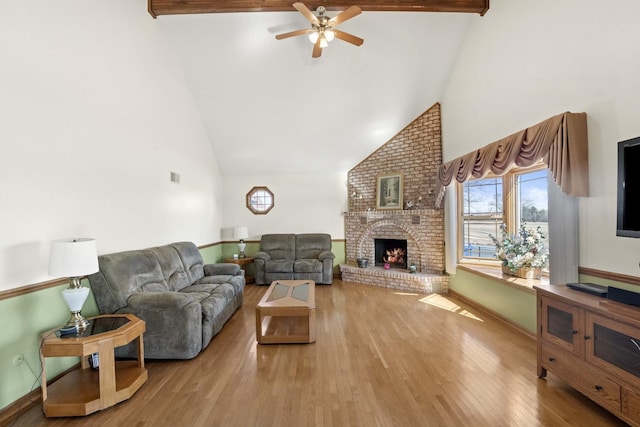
{"x":561,"y":325}
{"x":613,"y":347}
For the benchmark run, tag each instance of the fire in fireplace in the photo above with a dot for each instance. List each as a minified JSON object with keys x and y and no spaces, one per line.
{"x":392,"y":251}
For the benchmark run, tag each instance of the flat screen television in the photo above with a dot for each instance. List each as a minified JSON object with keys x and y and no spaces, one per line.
{"x":629,"y":188}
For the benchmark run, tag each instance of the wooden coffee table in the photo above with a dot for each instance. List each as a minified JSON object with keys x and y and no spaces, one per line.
{"x":287,"y":313}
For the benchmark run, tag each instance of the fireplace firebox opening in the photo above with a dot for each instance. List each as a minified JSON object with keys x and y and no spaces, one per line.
{"x":391,"y":251}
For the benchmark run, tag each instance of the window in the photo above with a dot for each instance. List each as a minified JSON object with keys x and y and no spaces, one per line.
{"x":484,"y":204}
{"x":482,"y":215}
{"x":260,"y":200}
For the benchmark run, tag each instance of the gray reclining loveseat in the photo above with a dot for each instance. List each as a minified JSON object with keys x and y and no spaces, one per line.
{"x":183,"y":302}
{"x":294,"y":257}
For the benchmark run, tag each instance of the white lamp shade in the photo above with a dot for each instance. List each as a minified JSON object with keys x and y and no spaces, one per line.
{"x":73,"y":258}
{"x":240,"y":233}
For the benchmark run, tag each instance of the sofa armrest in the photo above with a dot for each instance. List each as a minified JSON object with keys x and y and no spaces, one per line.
{"x":222,"y":269}
{"x":259,"y":261}
{"x":173,"y":323}
{"x":326,"y":255}
{"x":261,"y":256}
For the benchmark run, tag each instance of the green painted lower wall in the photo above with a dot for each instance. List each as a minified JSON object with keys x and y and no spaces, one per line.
{"x":212,"y":254}
{"x":25,"y":317}
{"x":518,"y":306}
{"x":339,"y":249}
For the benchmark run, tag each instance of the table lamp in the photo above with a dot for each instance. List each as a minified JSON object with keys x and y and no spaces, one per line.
{"x":241,"y":233}
{"x":74,"y":258}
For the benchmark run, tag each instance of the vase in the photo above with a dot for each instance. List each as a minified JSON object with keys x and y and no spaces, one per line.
{"x":524,"y":272}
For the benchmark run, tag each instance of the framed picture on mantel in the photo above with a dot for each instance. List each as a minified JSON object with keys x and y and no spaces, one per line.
{"x":389,"y":191}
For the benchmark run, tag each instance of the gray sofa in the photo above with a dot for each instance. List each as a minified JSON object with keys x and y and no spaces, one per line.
{"x":294,"y":257}
{"x":183,"y":302}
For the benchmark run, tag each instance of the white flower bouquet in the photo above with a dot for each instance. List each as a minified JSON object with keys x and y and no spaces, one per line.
{"x":525,"y":249}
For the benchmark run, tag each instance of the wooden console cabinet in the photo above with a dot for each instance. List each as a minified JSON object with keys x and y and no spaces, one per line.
{"x":594,"y":345}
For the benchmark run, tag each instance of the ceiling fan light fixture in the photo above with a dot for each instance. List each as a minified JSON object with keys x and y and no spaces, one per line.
{"x":322,"y":32}
{"x":329,"y":35}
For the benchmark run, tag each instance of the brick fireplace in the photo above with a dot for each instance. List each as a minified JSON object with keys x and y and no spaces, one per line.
{"x":415,"y":153}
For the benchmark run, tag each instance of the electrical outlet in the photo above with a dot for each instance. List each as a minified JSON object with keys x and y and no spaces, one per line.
{"x":18,"y":359}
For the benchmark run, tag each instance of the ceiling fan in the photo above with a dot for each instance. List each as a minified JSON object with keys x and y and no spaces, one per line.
{"x":323,"y":28}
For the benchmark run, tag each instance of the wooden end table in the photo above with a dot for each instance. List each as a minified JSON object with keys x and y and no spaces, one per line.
{"x":243,"y":263}
{"x":287,"y":313}
{"x":84,"y":391}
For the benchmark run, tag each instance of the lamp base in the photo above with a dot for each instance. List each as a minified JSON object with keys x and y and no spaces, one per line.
{"x":75,"y":296}
{"x":76,"y":321}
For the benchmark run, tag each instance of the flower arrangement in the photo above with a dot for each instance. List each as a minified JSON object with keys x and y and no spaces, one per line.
{"x":525,"y":249}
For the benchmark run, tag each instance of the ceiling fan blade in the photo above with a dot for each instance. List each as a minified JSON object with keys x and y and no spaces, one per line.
{"x":348,"y":37}
{"x":300,"y":7}
{"x":317,"y":50}
{"x":344,"y":15}
{"x":291,"y":34}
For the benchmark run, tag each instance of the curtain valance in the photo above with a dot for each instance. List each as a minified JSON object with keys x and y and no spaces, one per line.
{"x":560,"y":142}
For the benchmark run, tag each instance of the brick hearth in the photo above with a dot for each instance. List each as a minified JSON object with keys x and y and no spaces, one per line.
{"x":402,"y":280}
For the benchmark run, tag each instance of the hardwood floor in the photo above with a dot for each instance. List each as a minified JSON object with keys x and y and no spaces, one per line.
{"x":381,"y":358}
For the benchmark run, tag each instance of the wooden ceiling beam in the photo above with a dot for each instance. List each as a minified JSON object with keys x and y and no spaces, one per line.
{"x":178,"y":7}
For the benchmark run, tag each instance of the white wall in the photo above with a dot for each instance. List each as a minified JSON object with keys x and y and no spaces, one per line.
{"x":303,"y":204}
{"x":94,"y":115}
{"x":525,"y":61}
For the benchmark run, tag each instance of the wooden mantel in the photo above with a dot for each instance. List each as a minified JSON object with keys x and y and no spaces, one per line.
{"x":177,"y":7}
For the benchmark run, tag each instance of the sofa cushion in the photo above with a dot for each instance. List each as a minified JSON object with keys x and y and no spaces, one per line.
{"x":123,"y":274}
{"x":279,"y":246}
{"x":192,"y":260}
{"x":307,"y":266}
{"x":220,"y":278}
{"x":279,"y":266}
{"x":154,"y":287}
{"x":236,"y":281}
{"x":217,"y":308}
{"x":310,"y":245}
{"x":201,"y":290}
{"x":213,"y":297}
{"x":172,"y":267}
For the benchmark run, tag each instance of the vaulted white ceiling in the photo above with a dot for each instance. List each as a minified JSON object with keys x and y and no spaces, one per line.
{"x":269,"y":108}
